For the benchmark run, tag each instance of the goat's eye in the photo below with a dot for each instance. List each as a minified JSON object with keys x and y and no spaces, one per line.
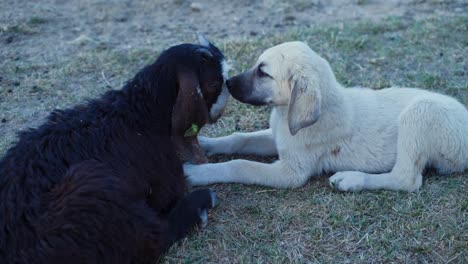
{"x":261,"y":73}
{"x":214,"y":84}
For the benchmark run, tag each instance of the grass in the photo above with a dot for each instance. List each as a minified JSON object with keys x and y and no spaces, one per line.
{"x":312,"y":224}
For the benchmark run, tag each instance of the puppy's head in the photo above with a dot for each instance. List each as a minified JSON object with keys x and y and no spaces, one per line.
{"x":289,"y":74}
{"x":201,"y":97}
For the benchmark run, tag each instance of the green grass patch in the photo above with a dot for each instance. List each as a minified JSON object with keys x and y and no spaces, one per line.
{"x":37,"y":20}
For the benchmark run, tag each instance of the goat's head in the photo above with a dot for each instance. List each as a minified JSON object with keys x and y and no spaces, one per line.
{"x":201,"y":98}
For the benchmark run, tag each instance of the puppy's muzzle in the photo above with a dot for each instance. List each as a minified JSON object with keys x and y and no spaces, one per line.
{"x":241,"y":88}
{"x":235,"y":87}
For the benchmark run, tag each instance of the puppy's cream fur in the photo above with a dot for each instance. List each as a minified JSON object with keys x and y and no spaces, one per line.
{"x":372,"y":139}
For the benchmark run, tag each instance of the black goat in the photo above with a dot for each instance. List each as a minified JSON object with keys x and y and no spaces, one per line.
{"x":102,"y":182}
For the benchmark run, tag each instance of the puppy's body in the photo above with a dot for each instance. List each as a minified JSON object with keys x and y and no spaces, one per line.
{"x":396,"y":132}
{"x":362,"y":133}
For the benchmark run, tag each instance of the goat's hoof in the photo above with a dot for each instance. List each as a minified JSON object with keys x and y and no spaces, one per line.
{"x":213,"y":198}
{"x":203,"y":218}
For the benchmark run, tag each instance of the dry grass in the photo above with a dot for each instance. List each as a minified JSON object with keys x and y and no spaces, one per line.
{"x":312,"y":224}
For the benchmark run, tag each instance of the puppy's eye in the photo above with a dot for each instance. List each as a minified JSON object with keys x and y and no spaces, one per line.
{"x":261,"y":73}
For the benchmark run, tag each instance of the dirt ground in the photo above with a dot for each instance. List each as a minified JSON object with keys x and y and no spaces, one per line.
{"x":126,"y":24}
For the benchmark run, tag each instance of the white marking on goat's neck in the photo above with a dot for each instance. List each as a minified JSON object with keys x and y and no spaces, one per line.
{"x":218,"y":107}
{"x":225,"y":69}
{"x":199,"y":92}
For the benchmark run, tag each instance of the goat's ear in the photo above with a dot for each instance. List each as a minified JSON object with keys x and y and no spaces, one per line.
{"x":190,"y":105}
{"x":202,"y":40}
{"x":304,"y":103}
{"x":205,"y":54}
{"x":189,"y":114}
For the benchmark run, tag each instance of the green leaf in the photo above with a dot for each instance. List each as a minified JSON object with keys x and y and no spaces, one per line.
{"x":192,"y":131}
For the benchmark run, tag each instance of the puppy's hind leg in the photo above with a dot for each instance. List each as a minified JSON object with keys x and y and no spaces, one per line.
{"x":405,"y":175}
{"x":428,"y":131}
{"x":432,"y":131}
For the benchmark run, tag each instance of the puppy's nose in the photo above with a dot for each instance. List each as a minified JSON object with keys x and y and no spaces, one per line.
{"x":228,"y":83}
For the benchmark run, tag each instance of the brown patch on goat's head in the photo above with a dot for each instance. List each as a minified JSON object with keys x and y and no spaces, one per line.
{"x":201,"y":98}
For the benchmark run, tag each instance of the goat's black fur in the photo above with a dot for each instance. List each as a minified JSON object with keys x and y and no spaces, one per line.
{"x":101,"y":182}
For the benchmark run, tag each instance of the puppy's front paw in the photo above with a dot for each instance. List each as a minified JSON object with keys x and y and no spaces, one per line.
{"x":348,"y":181}
{"x":206,"y":144}
{"x":189,"y":171}
{"x":197,"y":174}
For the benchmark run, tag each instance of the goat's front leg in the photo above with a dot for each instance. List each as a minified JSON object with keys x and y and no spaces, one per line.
{"x":277,"y":174}
{"x":259,"y":143}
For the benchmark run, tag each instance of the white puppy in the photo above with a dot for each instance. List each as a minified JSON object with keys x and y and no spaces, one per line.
{"x":372,"y":139}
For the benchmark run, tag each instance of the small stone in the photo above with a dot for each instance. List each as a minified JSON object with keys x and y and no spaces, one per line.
{"x":289,"y":18}
{"x":120,"y":19}
{"x":316,"y":2}
{"x":36,"y":89}
{"x":459,"y":73}
{"x":81,"y":40}
{"x":253,"y":33}
{"x":376,"y":60}
{"x":196,"y":7}
{"x":4,"y":120}
{"x":9,"y":40}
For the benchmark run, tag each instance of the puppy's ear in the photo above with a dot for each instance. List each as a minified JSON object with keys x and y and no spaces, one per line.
{"x":202,"y":40}
{"x":304,"y":103}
